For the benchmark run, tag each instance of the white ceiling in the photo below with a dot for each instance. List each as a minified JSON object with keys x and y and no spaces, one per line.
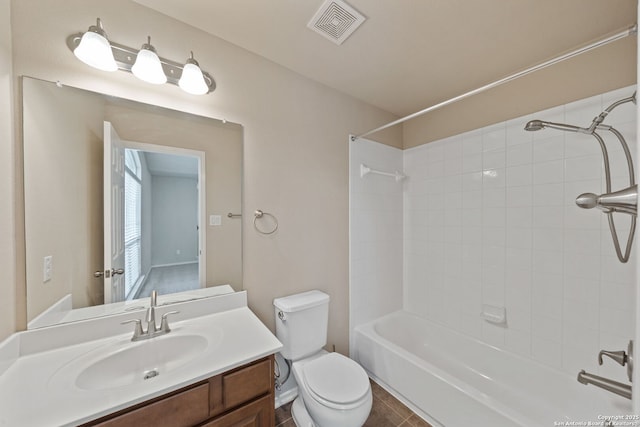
{"x":161,"y":164}
{"x":408,"y":54}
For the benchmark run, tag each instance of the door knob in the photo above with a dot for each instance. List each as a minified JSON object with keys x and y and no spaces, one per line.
{"x":108,"y":273}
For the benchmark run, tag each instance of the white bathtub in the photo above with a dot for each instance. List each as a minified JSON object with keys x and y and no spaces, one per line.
{"x":454,"y":380}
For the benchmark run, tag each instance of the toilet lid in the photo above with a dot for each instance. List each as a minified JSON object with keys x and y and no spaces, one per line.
{"x":336,"y":379}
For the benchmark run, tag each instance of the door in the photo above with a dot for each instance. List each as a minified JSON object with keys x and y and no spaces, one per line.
{"x":114,"y":289}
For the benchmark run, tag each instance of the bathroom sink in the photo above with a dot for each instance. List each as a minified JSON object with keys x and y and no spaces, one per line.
{"x":141,"y":362}
{"x":129,"y":363}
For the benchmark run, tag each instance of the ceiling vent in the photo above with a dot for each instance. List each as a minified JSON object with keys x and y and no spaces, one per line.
{"x":336,"y":21}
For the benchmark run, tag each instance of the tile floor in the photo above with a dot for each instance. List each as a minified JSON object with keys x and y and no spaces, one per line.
{"x":387,"y":411}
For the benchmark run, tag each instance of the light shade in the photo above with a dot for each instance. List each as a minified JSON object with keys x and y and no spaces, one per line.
{"x":94,"y":49}
{"x":147,"y":66}
{"x":192,"y":80}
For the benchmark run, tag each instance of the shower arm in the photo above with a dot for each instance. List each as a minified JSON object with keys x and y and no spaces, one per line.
{"x":600,"y":117}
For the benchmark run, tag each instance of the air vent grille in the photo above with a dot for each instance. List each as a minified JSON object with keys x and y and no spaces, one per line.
{"x":336,"y":21}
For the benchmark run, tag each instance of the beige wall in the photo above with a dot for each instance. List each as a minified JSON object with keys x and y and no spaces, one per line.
{"x":609,"y":67}
{"x":63,"y":193}
{"x":7,"y":224}
{"x":295,"y":138}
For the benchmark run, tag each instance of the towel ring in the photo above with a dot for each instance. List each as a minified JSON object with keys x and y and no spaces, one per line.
{"x":259,"y":214}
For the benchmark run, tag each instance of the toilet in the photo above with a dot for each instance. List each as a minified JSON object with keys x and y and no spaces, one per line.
{"x":333,"y":390}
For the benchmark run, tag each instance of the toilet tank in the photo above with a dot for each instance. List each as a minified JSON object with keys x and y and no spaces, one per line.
{"x":301,"y":323}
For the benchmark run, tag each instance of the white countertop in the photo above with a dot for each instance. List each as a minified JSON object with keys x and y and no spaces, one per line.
{"x":32,"y":395}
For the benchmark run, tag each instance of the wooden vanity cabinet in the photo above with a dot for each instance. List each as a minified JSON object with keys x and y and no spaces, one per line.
{"x":242,"y":397}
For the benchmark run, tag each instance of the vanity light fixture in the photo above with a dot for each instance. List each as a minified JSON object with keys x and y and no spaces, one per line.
{"x":192,"y":80}
{"x":148,"y":67}
{"x":94,"y":49}
{"x":99,"y":52}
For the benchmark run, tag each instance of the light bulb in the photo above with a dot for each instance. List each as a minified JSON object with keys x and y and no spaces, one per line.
{"x":192,"y":80}
{"x":147,"y":66}
{"x":94,"y":49}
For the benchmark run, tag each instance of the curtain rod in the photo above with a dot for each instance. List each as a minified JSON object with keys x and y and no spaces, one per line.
{"x":628,"y":32}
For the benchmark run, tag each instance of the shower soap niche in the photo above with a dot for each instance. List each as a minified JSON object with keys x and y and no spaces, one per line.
{"x":494,"y":314}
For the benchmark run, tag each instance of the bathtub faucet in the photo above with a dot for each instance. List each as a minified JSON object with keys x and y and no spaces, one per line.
{"x":620,"y":389}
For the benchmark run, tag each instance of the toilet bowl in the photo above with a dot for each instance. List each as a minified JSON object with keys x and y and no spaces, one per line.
{"x":334,"y":391}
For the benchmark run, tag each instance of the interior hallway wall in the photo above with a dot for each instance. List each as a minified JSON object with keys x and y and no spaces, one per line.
{"x":490,"y":218}
{"x":174,"y":220}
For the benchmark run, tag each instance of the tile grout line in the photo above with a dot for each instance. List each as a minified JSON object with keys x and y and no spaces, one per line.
{"x":404,"y":420}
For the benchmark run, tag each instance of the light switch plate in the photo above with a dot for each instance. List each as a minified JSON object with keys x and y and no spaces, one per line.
{"x":47,"y":268}
{"x":215,"y":220}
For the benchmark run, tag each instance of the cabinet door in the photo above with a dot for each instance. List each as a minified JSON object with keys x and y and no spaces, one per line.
{"x":250,"y":382}
{"x":255,"y":414}
{"x":232,"y":389}
{"x":180,"y":410}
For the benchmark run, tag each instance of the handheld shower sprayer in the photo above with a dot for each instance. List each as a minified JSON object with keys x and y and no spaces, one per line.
{"x":534,"y":125}
{"x":623,"y":201}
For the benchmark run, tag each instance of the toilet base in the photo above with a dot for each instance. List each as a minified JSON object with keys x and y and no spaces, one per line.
{"x":300,"y":414}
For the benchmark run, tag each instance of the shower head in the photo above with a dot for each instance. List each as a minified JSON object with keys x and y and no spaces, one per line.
{"x":534,"y":125}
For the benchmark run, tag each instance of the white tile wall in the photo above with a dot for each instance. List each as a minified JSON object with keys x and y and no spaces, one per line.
{"x":376,"y":230}
{"x":489,"y":217}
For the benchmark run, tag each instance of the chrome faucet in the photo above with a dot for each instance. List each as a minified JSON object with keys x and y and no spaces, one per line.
{"x":139,"y":333}
{"x":616,"y":387}
{"x":151,"y":313}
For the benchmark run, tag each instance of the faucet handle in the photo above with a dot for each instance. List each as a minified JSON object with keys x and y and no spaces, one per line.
{"x":619,"y":356}
{"x":138,"y":331}
{"x":164,"y":324}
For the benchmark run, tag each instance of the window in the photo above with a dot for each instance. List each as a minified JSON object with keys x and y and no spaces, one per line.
{"x":132,"y":221}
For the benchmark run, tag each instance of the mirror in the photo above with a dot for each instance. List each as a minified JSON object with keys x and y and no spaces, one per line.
{"x":192,"y":166}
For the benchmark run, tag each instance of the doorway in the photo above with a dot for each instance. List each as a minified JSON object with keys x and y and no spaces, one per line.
{"x":163,"y":233}
{"x":154,"y":212}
